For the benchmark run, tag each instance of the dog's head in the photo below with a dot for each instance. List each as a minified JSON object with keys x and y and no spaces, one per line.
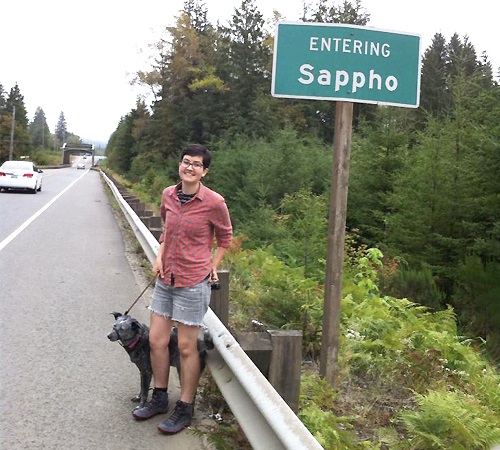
{"x":126,"y":329}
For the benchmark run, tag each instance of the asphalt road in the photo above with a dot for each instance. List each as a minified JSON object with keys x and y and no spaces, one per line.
{"x":63,"y":384}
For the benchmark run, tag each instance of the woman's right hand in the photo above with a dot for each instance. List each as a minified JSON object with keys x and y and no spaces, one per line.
{"x":158,"y":264}
{"x":157,"y":269}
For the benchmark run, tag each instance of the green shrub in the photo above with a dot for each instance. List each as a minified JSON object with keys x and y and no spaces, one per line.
{"x":46,"y":158}
{"x":418,"y":285}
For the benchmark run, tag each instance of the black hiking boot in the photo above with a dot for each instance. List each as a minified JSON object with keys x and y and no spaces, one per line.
{"x":180,"y":418}
{"x":157,"y":405}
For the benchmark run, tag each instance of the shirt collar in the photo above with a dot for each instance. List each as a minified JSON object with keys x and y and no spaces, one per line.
{"x":200,"y":194}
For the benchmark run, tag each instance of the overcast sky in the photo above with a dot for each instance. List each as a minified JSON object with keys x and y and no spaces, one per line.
{"x":78,"y":57}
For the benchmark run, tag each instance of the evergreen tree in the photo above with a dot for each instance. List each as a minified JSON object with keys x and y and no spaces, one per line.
{"x":122,"y":145}
{"x":441,"y":209}
{"x":16,"y":99}
{"x":252,"y":174}
{"x":441,"y":65}
{"x":378,"y":153}
{"x":348,"y":12}
{"x":304,"y":216}
{"x":434,"y":85}
{"x":190,"y":107}
{"x":198,"y":14}
{"x":462,"y":57}
{"x":5,"y":121}
{"x":14,"y":104}
{"x":422,"y":209}
{"x":61,"y":129}
{"x":39,"y":130}
{"x":480,"y":153}
{"x":145,"y":158}
{"x":3,"y":100}
{"x":249,"y":62}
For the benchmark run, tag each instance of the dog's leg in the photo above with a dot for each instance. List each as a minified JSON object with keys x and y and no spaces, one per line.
{"x":145,"y":383}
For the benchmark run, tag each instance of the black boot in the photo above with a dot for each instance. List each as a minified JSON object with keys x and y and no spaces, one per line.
{"x":157,"y":405}
{"x":180,"y":418}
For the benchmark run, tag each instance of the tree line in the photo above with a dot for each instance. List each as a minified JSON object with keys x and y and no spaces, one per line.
{"x":423,"y":184}
{"x":28,"y":138}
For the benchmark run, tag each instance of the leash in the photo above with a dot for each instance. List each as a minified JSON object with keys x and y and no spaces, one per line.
{"x":140,"y":295}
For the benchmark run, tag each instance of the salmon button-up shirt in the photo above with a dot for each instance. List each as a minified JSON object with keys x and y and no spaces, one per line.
{"x":189,"y":233}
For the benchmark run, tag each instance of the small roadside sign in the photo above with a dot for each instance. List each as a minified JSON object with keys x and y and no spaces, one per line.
{"x":342,"y":62}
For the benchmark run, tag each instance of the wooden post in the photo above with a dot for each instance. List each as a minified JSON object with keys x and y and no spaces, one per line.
{"x":220,"y":298}
{"x":258,"y":347}
{"x":336,"y":236}
{"x":278,"y":355}
{"x":284,"y":369}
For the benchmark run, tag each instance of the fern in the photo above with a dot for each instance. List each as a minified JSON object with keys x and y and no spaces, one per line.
{"x":451,"y":420}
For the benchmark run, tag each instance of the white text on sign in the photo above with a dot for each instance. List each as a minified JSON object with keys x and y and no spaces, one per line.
{"x":355,"y":46}
{"x":343,"y":78}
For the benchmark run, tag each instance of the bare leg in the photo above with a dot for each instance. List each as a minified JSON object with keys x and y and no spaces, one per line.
{"x":159,"y":337}
{"x":190,"y":361}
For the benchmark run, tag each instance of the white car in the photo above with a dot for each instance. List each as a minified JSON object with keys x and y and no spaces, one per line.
{"x":20,"y":175}
{"x":80,"y":165}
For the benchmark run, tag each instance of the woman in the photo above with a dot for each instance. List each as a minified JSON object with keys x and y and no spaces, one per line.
{"x":195,"y":218}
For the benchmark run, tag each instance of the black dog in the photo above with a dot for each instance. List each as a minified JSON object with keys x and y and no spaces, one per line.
{"x":134,"y":338}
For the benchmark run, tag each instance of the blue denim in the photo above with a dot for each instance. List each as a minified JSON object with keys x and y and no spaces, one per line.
{"x":187,"y":305}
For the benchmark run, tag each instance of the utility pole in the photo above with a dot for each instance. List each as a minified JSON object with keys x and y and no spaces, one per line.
{"x":11,"y":147}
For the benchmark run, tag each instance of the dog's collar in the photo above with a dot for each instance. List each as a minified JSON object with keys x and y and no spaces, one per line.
{"x":132,"y":344}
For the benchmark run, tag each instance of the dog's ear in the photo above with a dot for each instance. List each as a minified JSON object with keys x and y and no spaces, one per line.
{"x":207,"y":340}
{"x":116,"y":314}
{"x":174,"y":338}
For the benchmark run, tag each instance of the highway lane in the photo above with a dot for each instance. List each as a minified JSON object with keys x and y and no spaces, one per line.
{"x":17,"y":206}
{"x":63,"y":385}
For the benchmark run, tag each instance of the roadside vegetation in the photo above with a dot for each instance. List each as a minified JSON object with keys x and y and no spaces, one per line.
{"x":420,"y":324}
{"x":408,"y":379}
{"x":420,"y":310}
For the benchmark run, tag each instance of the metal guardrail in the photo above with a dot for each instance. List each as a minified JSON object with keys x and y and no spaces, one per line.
{"x":266,"y":419}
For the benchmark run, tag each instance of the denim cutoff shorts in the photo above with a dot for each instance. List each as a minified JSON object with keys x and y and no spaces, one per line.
{"x":187,"y":305}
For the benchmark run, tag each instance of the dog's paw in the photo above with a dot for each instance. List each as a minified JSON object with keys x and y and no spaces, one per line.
{"x":136,"y":399}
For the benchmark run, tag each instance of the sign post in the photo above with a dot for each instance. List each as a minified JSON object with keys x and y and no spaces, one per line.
{"x":347,"y":64}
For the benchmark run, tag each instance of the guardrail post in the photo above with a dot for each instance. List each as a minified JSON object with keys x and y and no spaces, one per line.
{"x":138,"y":207}
{"x":155,"y":225}
{"x":278,"y":355}
{"x":258,"y":346}
{"x":219,"y":302}
{"x":146,"y":214}
{"x":284,"y":368}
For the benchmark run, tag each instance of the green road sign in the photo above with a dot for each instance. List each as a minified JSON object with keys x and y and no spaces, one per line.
{"x":346,"y":63}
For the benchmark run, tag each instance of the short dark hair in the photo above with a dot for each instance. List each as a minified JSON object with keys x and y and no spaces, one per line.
{"x":197,"y":150}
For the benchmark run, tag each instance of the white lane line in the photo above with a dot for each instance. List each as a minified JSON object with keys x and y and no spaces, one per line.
{"x":15,"y":233}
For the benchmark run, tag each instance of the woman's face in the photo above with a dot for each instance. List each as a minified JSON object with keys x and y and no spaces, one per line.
{"x":191,"y":169}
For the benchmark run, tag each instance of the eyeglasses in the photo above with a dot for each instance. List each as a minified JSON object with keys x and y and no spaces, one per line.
{"x":196,"y":164}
